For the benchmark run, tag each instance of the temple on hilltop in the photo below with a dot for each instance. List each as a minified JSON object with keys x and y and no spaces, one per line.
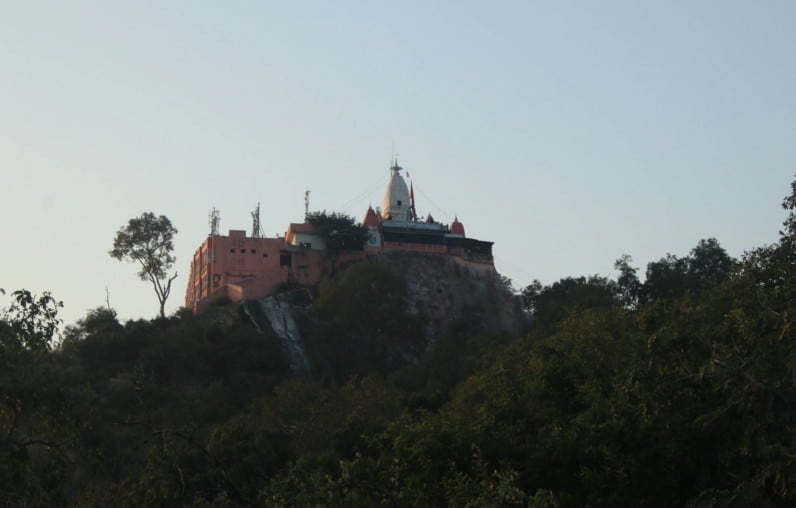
{"x":238,"y":267}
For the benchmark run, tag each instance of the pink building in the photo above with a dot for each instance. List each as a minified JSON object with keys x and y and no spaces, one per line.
{"x":237,"y":267}
{"x":240,"y":268}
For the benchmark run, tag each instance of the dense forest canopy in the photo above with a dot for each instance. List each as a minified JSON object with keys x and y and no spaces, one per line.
{"x":678,"y":390}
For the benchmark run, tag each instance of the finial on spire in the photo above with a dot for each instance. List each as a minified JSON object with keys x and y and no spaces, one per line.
{"x":394,"y":157}
{"x":395,"y":167}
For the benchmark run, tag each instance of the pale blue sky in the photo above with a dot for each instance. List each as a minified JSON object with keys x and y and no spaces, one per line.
{"x":566,"y":132}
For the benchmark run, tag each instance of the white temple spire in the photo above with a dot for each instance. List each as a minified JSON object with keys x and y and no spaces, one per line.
{"x":397,"y":204}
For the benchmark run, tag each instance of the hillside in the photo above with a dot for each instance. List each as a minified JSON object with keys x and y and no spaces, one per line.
{"x":423,"y":296}
{"x":676,"y":391}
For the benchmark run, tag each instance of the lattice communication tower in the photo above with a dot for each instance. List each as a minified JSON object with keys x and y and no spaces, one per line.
{"x":257,"y":231}
{"x":215,"y":220}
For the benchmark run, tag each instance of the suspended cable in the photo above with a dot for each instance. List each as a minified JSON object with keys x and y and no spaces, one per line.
{"x":512,"y":265}
{"x":444,"y":213}
{"x":370,"y":190}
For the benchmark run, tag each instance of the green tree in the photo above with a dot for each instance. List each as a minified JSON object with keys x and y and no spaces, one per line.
{"x":530,"y":294}
{"x":550,"y":304}
{"x":30,"y":322}
{"x":98,"y":321}
{"x":339,"y":231}
{"x":33,"y":423}
{"x":666,"y":278}
{"x":627,"y":284}
{"x":365,"y":324}
{"x":774,"y":266}
{"x":148,"y":241}
{"x":707,"y":266}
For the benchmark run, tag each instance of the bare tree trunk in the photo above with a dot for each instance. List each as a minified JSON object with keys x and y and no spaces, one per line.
{"x":163,"y":292}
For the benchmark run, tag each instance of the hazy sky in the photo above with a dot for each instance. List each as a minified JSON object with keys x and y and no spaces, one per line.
{"x":566,"y":132}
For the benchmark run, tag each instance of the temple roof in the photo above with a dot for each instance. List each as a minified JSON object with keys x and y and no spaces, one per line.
{"x":457,"y":228}
{"x":371,"y":218}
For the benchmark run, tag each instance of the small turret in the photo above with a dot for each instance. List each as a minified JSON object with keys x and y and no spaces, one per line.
{"x":372,"y":221}
{"x":371,"y":218}
{"x":457,"y":228}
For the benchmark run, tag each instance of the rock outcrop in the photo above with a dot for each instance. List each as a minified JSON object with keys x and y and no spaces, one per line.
{"x":442,"y":289}
{"x":277,"y":313}
{"x":446,"y":289}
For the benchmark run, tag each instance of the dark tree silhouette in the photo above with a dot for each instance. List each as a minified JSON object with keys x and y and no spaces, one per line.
{"x":148,"y":241}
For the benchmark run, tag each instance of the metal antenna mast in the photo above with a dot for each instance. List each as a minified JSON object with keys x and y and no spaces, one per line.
{"x":257,"y":231}
{"x":306,"y":204}
{"x":215,"y":219}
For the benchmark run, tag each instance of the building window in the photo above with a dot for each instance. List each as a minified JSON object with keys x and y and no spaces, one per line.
{"x":399,"y":202}
{"x":232,"y":250}
{"x":265,"y":254}
{"x":254,"y":251}
{"x":284,"y":259}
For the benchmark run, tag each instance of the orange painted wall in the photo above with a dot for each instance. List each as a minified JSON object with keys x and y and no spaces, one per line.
{"x":223,"y":260}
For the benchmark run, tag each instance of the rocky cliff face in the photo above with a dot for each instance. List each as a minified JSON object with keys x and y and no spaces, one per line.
{"x":441,"y":289}
{"x":445,"y":289}
{"x":279,"y":313}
